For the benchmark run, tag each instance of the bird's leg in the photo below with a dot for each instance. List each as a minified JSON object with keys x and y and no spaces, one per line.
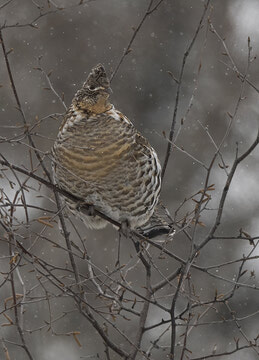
{"x":117,"y":264}
{"x":125,"y":228}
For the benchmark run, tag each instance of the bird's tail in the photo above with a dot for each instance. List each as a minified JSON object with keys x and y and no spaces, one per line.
{"x":156,"y":226}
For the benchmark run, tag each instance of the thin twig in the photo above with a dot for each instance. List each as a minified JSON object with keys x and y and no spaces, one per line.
{"x":237,"y":161}
{"x":185,"y":56}
{"x":128,"y":49}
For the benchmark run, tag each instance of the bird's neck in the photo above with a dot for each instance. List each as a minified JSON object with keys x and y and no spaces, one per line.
{"x":100,"y":107}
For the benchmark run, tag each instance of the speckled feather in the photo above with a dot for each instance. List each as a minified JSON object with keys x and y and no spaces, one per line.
{"x":101,"y":158}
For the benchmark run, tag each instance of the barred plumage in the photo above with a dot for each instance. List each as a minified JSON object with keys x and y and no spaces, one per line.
{"x":101,"y":158}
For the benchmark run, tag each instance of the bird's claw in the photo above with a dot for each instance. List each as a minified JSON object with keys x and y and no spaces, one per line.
{"x":85,"y":208}
{"x":91,"y":210}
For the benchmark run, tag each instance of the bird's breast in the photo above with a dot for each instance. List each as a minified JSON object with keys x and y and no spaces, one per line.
{"x":94,"y":147}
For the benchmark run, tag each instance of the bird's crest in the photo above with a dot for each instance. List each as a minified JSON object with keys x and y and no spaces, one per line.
{"x":97,"y":78}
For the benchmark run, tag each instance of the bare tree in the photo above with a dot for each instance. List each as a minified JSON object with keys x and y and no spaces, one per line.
{"x":190,"y":295}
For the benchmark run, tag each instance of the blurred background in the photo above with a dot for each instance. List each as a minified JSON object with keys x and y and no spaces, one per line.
{"x":69,"y":43}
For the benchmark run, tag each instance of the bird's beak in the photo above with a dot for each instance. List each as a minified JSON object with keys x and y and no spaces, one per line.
{"x":109,"y":90}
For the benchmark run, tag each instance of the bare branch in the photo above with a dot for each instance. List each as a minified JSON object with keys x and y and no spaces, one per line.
{"x":185,"y":56}
{"x":128,"y":49}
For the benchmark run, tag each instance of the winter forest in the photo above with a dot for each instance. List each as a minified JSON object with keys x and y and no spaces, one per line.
{"x":186,"y":74}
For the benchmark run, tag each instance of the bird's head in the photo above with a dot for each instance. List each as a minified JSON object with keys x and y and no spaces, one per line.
{"x":94,"y":94}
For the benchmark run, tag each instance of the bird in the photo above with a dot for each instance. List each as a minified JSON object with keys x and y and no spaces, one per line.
{"x":102,"y":159}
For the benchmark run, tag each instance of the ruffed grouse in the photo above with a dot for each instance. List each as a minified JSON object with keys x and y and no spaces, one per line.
{"x":101,"y":158}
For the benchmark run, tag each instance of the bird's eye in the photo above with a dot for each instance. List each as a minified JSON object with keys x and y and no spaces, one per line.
{"x":91,"y":87}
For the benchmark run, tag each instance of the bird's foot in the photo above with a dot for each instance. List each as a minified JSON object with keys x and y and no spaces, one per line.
{"x":86,"y":208}
{"x":91,"y":210}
